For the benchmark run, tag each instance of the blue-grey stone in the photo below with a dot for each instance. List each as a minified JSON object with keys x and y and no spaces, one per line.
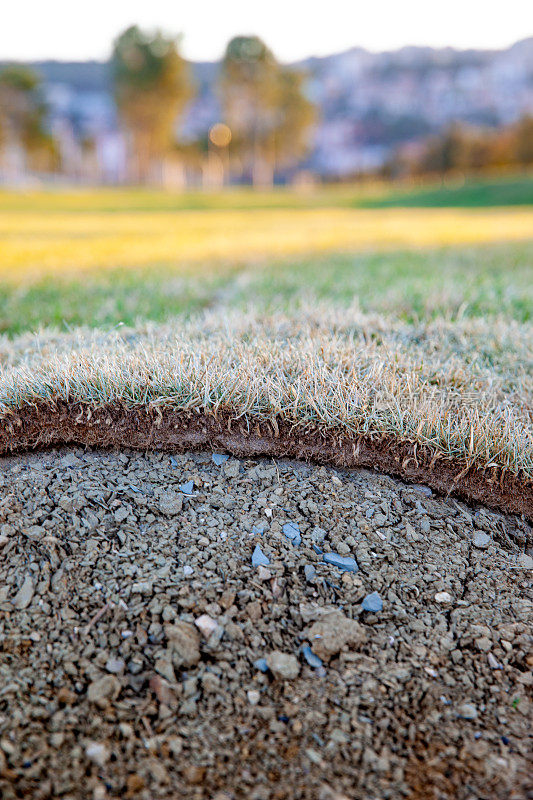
{"x":425,"y":490}
{"x":309,"y":572}
{"x":481,"y":540}
{"x":187,"y":488}
{"x":292,"y":532}
{"x":344,"y":563}
{"x":317,"y":550}
{"x":313,"y":660}
{"x":219,"y":458}
{"x":261,"y":665}
{"x":373,"y":602}
{"x":173,"y":461}
{"x":318,"y":534}
{"x":259,"y":558}
{"x":257,"y":530}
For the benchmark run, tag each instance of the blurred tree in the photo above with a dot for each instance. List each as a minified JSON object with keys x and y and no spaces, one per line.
{"x":249,"y":84}
{"x":22,"y":115}
{"x":523,"y":141}
{"x":467,"y":149}
{"x":296,"y":114}
{"x":264,"y":106}
{"x":444,"y":152}
{"x":152,"y":87}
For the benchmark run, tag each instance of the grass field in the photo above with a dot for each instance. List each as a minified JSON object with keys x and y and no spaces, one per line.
{"x":410,"y":322}
{"x":458,"y":192}
{"x":152,"y":255}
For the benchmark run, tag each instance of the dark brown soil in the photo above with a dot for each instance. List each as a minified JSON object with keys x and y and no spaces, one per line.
{"x":148,"y":427}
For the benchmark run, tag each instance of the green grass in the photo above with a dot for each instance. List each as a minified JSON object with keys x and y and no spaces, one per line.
{"x":483,"y":281}
{"x":505,"y":190}
{"x":517,"y":191}
{"x":99,"y":258}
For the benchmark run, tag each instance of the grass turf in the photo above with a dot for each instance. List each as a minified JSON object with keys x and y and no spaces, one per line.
{"x":451,"y":398}
{"x":428,"y":343}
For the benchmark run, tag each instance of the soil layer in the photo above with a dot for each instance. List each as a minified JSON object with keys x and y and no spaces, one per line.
{"x":146,"y":653}
{"x":151,"y":428}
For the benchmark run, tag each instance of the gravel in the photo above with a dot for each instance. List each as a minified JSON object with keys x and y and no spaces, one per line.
{"x":145,"y":656}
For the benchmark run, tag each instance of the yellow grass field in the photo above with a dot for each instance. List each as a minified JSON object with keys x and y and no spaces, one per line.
{"x":36,"y":242}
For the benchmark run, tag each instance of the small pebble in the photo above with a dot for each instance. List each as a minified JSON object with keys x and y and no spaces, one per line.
{"x":344,"y":563}
{"x":257,"y":530}
{"x":481,"y":540}
{"x":115,"y":665}
{"x":310,"y":573}
{"x":493,"y":662}
{"x":206,"y":624}
{"x":187,"y":488}
{"x":292,"y":532}
{"x":318,"y":535}
{"x":98,"y":753}
{"x":312,"y":659}
{"x":253,"y":696}
{"x":24,"y":595}
{"x":263,"y":573}
{"x":261,"y":664}
{"x":283,"y":665}
{"x":259,"y":558}
{"x":425,"y":490}
{"x":467,"y":711}
{"x":443,"y":597}
{"x":219,"y":458}
{"x":372,"y":602}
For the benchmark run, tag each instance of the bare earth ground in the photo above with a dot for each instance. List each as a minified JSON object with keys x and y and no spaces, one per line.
{"x":131,"y":617}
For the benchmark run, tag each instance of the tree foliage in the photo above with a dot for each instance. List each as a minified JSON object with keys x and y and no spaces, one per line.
{"x":22,"y":116}
{"x":152,"y":86}
{"x":264,"y":105}
{"x":470,"y":149}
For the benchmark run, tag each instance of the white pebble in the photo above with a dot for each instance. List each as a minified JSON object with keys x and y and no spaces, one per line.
{"x":97,"y":752}
{"x":253,"y":697}
{"x":206,"y":625}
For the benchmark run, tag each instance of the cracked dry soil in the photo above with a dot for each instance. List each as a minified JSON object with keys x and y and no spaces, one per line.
{"x":133,"y":624}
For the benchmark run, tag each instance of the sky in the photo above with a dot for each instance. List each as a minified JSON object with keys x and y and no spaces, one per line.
{"x":294,"y":29}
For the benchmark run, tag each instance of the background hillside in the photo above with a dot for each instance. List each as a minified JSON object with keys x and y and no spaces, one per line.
{"x":369,"y":104}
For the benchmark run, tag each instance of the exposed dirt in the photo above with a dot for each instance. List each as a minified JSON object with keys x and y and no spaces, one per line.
{"x":148,"y":427}
{"x":132,"y":618}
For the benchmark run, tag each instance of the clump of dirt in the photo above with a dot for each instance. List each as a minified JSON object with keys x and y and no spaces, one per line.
{"x":197,"y":626}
